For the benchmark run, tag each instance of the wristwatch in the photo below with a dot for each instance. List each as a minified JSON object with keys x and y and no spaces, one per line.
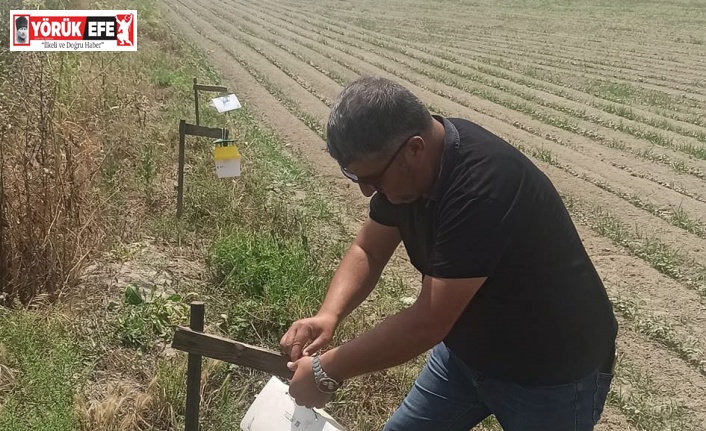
{"x":325,"y":383}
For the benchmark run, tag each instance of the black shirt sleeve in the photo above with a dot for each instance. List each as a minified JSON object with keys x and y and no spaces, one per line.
{"x":382,"y":211}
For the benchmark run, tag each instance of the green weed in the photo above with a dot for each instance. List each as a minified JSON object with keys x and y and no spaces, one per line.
{"x":544,"y":155}
{"x":146,"y":316}
{"x":682,"y":219}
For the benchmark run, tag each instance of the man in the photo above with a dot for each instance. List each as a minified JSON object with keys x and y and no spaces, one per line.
{"x":517,"y":318}
{"x":21,"y":24}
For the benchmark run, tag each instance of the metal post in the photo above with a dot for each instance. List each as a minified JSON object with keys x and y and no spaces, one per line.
{"x":193,"y":373}
{"x":196,"y":102}
{"x":180,"y":174}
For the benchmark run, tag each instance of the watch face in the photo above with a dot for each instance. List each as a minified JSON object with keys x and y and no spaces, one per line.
{"x":327,"y":385}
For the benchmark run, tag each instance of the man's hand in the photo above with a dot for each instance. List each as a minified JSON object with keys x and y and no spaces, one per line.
{"x":303,"y":386}
{"x":307,"y":336}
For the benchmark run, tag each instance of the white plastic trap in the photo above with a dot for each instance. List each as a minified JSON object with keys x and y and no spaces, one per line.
{"x":274,"y":410}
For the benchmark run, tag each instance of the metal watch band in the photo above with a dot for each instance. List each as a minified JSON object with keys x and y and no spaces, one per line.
{"x":323,"y":381}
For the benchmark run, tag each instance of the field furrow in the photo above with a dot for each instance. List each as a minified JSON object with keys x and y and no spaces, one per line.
{"x":674,"y":101}
{"x":682,"y":99}
{"x":608,"y":62}
{"x":620,"y":135}
{"x":685,"y":77}
{"x":643,"y":205}
{"x":440,"y":24}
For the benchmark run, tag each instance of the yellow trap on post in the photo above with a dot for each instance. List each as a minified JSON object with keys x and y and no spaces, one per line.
{"x":227,"y":158}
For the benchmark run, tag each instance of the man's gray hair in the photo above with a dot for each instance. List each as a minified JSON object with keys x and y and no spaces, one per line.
{"x":370,"y":116}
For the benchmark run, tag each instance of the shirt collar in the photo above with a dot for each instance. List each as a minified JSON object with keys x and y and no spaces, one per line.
{"x":452,"y":142}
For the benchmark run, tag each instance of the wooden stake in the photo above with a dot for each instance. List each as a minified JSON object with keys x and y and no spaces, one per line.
{"x":196,"y":101}
{"x":180,"y":174}
{"x":193,"y":373}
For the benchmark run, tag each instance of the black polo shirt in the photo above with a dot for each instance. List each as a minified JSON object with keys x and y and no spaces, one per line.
{"x":543,"y":316}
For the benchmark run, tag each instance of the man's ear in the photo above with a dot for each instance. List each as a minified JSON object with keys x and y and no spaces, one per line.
{"x":416,"y":146}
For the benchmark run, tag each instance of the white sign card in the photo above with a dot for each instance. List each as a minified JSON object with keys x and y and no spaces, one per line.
{"x":226,"y":103}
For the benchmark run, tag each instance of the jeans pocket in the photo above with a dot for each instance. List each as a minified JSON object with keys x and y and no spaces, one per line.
{"x":603,"y":381}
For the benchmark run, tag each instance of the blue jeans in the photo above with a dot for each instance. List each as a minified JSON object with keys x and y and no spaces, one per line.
{"x":450,"y":396}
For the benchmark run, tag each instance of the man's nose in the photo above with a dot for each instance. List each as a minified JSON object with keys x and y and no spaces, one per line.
{"x":366,"y":189}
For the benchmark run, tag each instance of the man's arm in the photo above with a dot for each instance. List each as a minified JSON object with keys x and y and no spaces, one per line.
{"x":360,"y":269}
{"x":355,"y":278}
{"x":407,"y":334}
{"x":395,"y":341}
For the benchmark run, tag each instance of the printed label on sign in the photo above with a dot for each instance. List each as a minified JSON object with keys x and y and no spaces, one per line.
{"x":73,"y":30}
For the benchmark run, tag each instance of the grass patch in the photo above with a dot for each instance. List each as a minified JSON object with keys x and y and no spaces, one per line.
{"x":47,"y":366}
{"x":268,"y":281}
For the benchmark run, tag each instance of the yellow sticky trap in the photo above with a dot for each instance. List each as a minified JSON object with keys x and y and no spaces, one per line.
{"x":227,"y":161}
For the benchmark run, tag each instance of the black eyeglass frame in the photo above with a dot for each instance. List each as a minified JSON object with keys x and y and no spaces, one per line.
{"x":373,"y":180}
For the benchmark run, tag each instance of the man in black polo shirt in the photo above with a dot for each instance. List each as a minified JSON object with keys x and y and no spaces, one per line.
{"x":517,"y":317}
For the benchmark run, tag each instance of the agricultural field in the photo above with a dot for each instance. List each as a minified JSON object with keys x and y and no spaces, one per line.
{"x":608,"y":98}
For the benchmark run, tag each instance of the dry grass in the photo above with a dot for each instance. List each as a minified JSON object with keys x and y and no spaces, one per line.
{"x":155,"y":402}
{"x":81,"y":159}
{"x":48,"y":205}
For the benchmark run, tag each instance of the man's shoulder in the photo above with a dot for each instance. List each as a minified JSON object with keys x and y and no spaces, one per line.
{"x":486,"y":164}
{"x":470,"y":129}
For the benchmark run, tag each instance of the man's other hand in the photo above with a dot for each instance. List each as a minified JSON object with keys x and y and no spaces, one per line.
{"x":302,"y":387}
{"x":306,"y":336}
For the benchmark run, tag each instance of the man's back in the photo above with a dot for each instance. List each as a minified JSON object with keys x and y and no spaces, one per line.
{"x":542,"y":316}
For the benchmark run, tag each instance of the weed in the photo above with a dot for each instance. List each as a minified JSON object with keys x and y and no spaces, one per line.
{"x":680,"y":218}
{"x":633,"y":393}
{"x":544,"y":155}
{"x":145,"y":316}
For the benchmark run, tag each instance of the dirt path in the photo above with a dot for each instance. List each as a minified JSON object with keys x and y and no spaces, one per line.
{"x":285,"y":72}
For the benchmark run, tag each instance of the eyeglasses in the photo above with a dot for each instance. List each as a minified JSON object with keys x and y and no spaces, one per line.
{"x":373,"y":180}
